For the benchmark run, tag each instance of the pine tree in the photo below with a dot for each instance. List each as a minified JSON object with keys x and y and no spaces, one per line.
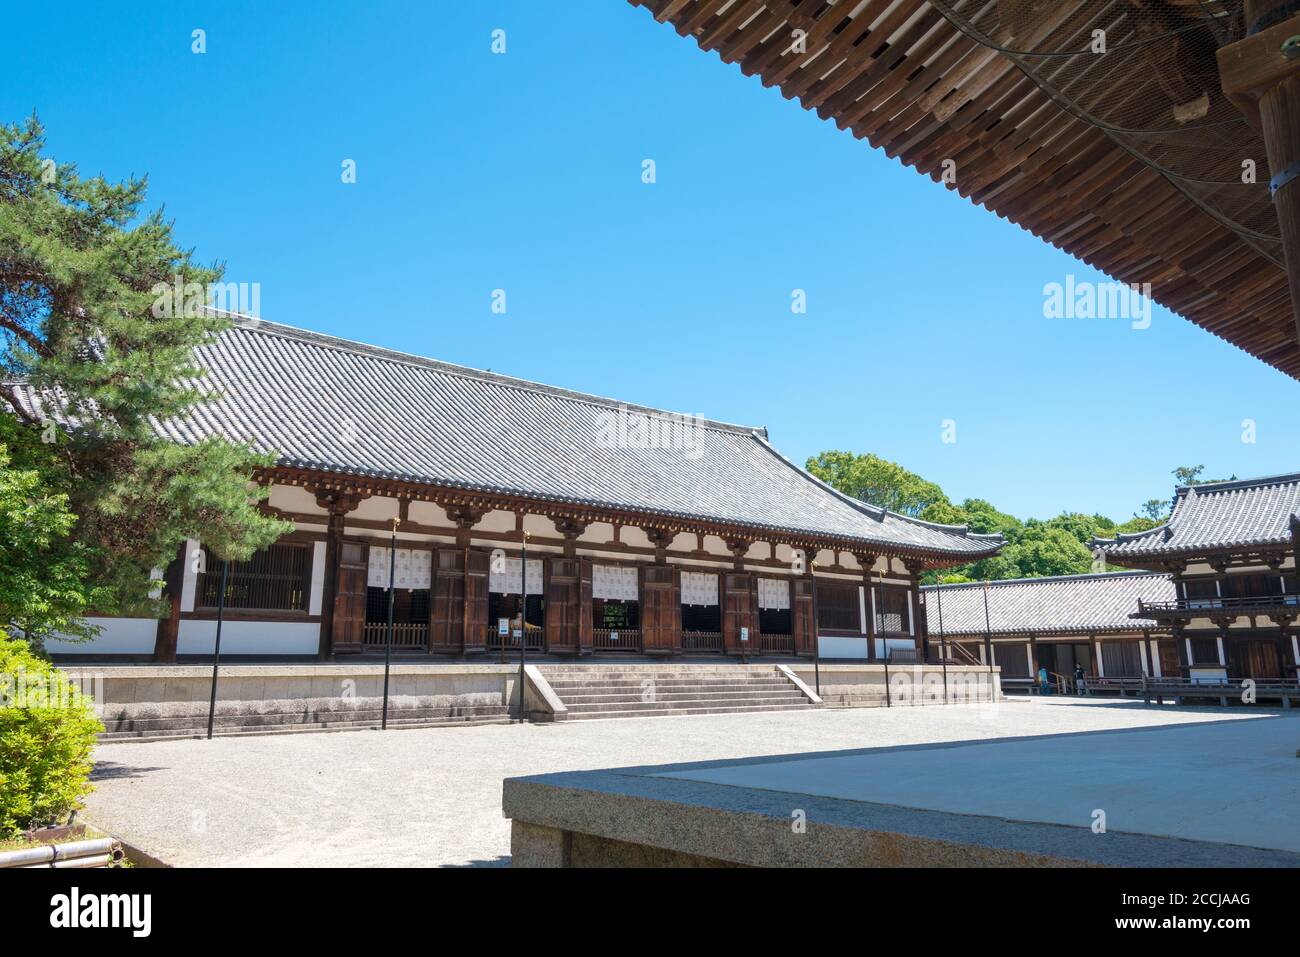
{"x":81,"y":269}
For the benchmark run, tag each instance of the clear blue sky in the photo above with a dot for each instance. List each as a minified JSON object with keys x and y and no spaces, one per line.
{"x":523,"y":172}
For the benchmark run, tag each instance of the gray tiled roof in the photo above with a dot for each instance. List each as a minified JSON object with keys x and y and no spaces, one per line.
{"x":333,"y":405}
{"x":1072,"y":604}
{"x":1217,"y":516}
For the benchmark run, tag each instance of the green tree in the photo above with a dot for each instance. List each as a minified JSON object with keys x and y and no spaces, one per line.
{"x":1191,"y":475}
{"x":47,"y":731}
{"x":43,"y":569}
{"x":876,"y":481}
{"x":84,"y":316}
{"x":1044,"y":549}
{"x":1137,"y":524}
{"x":1155,"y":509}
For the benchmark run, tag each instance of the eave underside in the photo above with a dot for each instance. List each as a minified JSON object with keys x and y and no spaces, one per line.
{"x":448,"y":497}
{"x":925,"y":93}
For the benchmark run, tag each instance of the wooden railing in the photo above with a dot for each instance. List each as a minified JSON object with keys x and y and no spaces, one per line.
{"x":1254,"y":602}
{"x":1287,"y":690}
{"x":776,"y":644}
{"x":535,"y":636}
{"x":956,"y":653}
{"x":701,"y":641}
{"x":405,"y":635}
{"x":616,"y":639}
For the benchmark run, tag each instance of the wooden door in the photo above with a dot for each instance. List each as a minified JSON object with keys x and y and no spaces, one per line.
{"x":447,"y":612}
{"x":1258,"y":660}
{"x":801,"y":617}
{"x":586,"y":626}
{"x":1170,"y":666}
{"x":476,"y":600}
{"x":1121,"y":659}
{"x":738,"y":613}
{"x":350,"y":600}
{"x":562,"y":605}
{"x":661,"y":616}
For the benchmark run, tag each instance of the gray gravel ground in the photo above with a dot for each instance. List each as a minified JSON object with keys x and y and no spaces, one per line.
{"x":433,"y":796}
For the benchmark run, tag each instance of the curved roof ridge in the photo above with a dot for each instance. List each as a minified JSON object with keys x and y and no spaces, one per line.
{"x":1131,"y":536}
{"x":1227,"y":485}
{"x":877,"y":511}
{"x":1050,"y":579}
{"x":252,"y":324}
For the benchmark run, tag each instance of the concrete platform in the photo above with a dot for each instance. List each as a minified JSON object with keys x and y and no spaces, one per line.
{"x":1216,"y":794}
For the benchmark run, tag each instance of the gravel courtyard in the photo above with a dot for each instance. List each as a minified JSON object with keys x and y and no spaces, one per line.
{"x":433,"y":797}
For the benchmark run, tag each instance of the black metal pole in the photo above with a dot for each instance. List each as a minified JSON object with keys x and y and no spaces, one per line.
{"x":523,"y":619}
{"x":943,"y":640}
{"x":216,"y":648}
{"x":884,"y":650}
{"x":388,"y":640}
{"x":988,"y":629}
{"x":816,"y":633}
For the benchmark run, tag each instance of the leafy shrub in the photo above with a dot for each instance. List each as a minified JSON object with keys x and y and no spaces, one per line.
{"x":47,"y":731}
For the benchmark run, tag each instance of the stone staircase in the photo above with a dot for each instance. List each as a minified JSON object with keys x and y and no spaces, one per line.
{"x":613,"y":691}
{"x":289,"y":722}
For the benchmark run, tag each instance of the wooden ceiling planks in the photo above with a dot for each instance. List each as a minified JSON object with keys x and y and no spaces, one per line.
{"x":900,"y":76}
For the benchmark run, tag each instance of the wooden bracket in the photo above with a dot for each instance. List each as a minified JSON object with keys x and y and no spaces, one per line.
{"x":1251,"y":67}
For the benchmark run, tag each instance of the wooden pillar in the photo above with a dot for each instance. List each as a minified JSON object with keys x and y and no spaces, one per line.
{"x":1261,"y":75}
{"x":337,"y":503}
{"x":475,"y":567}
{"x":660,"y":538}
{"x":921,"y":626}
{"x":868,"y":563}
{"x":169,"y":628}
{"x":802,"y":626}
{"x":571,"y":529}
{"x":1286,"y":657}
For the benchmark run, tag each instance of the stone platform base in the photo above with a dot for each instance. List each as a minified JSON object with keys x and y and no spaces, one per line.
{"x":1069,"y":800}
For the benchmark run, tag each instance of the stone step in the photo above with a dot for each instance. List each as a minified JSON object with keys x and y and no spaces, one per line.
{"x":685,"y":672}
{"x":695,"y":683}
{"x":737,"y":695}
{"x":657,"y":691}
{"x":665,"y":712}
{"x":671,"y":705}
{"x":692,"y":672}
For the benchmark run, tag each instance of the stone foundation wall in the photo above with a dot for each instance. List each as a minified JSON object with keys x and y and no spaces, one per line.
{"x":863,"y":685}
{"x":146,"y":692}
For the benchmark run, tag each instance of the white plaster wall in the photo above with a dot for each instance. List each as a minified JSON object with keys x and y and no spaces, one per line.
{"x":882,"y":644}
{"x":684,"y":542}
{"x":712,"y":544}
{"x":250,"y":638}
{"x":635,"y":537}
{"x":317,"y":578}
{"x":543,"y":526}
{"x":497,"y":520}
{"x":597,"y":533}
{"x":120,"y":636}
{"x":427,"y":513}
{"x":376,"y":509}
{"x":190,"y":583}
{"x":834,"y":647}
{"x":291,"y":498}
